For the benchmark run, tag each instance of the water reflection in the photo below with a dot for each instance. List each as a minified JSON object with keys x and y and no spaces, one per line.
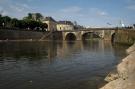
{"x":50,"y":50}
{"x":56,"y":65}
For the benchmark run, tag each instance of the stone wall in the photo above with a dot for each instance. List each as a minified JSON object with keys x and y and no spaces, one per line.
{"x":108,"y":34}
{"x":124,"y":77}
{"x":125,"y":36}
{"x":28,"y":35}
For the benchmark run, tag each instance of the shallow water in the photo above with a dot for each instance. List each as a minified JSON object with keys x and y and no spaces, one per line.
{"x":57,"y":65}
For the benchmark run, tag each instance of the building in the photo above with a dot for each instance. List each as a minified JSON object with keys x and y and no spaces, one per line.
{"x":51,"y":23}
{"x":133,"y":25}
{"x":65,"y":25}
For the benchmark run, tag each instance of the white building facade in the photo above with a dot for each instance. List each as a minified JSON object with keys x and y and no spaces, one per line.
{"x":65,"y":26}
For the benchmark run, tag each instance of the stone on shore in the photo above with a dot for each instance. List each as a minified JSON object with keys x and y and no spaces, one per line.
{"x":131,"y":49}
{"x":126,"y":73}
{"x":113,"y":75}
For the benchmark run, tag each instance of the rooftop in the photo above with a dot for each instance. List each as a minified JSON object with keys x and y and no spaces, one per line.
{"x":49,"y":19}
{"x":65,"y":22}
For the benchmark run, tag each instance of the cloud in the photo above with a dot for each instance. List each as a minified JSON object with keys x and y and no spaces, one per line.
{"x":73,"y":9}
{"x":2,"y":12}
{"x":86,"y":17}
{"x":14,"y":9}
{"x":68,"y":13}
{"x":131,"y":7}
{"x":75,"y":12}
{"x":102,"y":13}
{"x":130,"y":1}
{"x":1,"y":9}
{"x":29,"y":0}
{"x":95,"y":12}
{"x":81,"y":14}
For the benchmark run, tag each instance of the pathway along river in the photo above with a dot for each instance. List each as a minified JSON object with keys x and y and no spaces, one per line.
{"x":57,"y":65}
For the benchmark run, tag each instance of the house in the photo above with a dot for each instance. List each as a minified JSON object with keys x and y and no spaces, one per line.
{"x":51,"y":23}
{"x":65,"y":25}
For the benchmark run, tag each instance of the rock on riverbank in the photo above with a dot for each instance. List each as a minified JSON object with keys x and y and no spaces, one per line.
{"x":124,"y":78}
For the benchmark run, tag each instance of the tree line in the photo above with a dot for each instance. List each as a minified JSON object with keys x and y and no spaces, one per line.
{"x":33,"y":21}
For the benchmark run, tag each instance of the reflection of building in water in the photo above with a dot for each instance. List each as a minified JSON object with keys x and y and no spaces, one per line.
{"x":52,"y":51}
{"x":29,"y":50}
{"x":49,"y":50}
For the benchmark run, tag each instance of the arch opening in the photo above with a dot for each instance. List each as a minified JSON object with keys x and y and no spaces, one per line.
{"x":70,"y":37}
{"x":89,"y":36}
{"x":113,"y":38}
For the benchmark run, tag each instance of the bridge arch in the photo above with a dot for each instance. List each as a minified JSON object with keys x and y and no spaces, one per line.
{"x":70,"y":37}
{"x":113,"y":37}
{"x":89,"y":35}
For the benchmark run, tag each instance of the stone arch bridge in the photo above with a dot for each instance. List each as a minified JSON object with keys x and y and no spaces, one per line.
{"x":81,"y":34}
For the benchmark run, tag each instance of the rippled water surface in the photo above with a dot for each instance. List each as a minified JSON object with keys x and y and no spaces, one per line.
{"x":57,"y":65}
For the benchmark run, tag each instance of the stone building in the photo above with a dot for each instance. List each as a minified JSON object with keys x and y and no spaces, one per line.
{"x":51,"y":23}
{"x":65,"y":25}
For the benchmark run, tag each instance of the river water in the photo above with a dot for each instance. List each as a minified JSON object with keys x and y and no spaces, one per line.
{"x":57,"y":65}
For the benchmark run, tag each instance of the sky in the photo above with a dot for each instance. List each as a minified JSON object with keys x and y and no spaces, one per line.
{"x":89,"y":13}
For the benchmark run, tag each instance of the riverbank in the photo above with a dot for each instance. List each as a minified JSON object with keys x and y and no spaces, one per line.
{"x":124,"y":76}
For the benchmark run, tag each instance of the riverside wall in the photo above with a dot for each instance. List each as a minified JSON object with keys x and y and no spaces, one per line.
{"x":120,"y":36}
{"x":28,"y":35}
{"x":126,"y":36}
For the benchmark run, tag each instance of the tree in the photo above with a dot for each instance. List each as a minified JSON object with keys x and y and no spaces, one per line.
{"x":0,"y":20}
{"x":29,"y":17}
{"x":0,"y":15}
{"x":14,"y":23}
{"x":5,"y":20}
{"x":34,"y":17}
{"x":39,"y":17}
{"x":28,"y":22}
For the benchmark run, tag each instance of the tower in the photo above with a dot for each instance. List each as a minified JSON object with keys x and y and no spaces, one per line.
{"x":122,"y":24}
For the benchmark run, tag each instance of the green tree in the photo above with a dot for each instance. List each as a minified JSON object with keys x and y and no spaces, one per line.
{"x":0,"y":15}
{"x":6,"y":21}
{"x":39,"y":17}
{"x":28,"y":22}
{"x":28,"y":17}
{"x":34,"y":17}
{"x":14,"y":23}
{"x":0,"y":20}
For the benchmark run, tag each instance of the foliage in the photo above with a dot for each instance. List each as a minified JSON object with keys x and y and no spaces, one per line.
{"x":27,"y":23}
{"x":34,"y":16}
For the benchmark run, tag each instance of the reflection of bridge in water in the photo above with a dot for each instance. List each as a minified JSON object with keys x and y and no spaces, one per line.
{"x":45,"y":50}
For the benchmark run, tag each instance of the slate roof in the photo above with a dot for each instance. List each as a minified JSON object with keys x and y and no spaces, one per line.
{"x":65,"y":22}
{"x":49,"y":19}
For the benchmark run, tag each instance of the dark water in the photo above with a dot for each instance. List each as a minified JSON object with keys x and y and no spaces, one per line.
{"x":57,"y":65}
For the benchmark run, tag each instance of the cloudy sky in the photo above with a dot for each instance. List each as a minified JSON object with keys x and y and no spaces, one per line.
{"x":86,"y":12}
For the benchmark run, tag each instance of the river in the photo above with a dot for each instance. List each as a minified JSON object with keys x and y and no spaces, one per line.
{"x":57,"y":65}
